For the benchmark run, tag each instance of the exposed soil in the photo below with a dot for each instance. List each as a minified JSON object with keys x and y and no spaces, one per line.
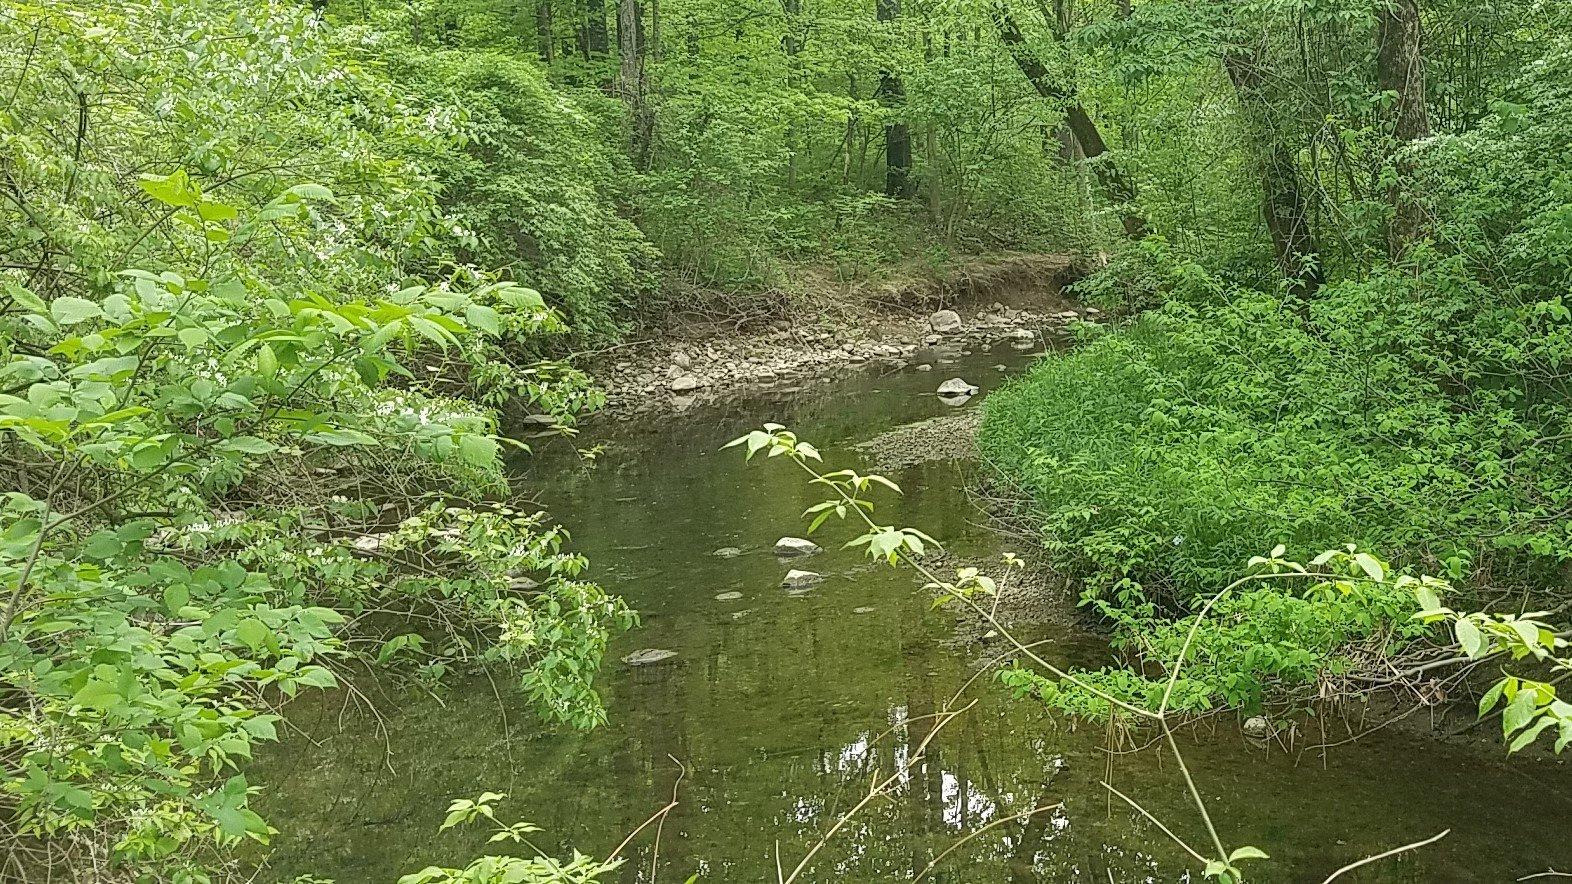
{"x":1016,"y":298}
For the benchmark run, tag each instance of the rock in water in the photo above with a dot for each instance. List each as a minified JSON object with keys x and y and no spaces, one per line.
{"x":728,"y":597}
{"x":957,"y":387}
{"x":684,"y":384}
{"x":648,"y":656}
{"x":728,"y":552}
{"x":801,"y":579}
{"x":796,"y":546}
{"x":945,"y":322}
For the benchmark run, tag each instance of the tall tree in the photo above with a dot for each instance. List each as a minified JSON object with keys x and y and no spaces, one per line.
{"x":898,"y":181}
{"x":1284,"y":202}
{"x":1400,"y":70}
{"x":545,"y":31}
{"x":633,"y":78}
{"x":1119,"y":188}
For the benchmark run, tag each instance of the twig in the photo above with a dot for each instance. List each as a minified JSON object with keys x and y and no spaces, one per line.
{"x":1380,"y":856}
{"x":1158,"y":823}
{"x":998,"y":822}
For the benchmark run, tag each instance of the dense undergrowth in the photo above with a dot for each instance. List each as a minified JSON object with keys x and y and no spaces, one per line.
{"x":1417,"y":406}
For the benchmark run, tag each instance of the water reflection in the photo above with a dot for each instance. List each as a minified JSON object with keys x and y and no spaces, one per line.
{"x":785,"y":715}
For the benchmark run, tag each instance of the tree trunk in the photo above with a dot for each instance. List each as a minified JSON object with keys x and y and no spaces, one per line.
{"x":597,"y":39}
{"x":1400,"y":69}
{"x":898,"y":180}
{"x":632,"y":81}
{"x":1115,"y":185}
{"x":1283,"y":199}
{"x":544,"y":31}
{"x":791,"y":44}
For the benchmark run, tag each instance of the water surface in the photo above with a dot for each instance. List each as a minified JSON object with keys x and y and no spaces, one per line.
{"x":783,"y":708}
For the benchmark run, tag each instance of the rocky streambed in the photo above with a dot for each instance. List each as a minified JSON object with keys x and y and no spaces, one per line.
{"x":674,"y":373}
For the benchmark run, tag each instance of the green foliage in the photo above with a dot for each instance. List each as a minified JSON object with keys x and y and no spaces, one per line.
{"x":237,"y":425}
{"x":1275,"y":642}
{"x":540,"y":869}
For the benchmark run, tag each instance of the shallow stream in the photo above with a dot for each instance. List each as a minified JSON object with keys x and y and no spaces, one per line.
{"x":783,"y":707}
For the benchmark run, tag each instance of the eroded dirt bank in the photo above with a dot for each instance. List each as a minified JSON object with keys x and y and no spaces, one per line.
{"x":1016,"y":301}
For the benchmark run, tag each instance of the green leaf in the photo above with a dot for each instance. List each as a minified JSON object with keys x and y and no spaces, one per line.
{"x":171,"y":190}
{"x":248,"y":445}
{"x":252,"y":633}
{"x":478,"y":450}
{"x":483,"y":318}
{"x":1491,"y":698}
{"x":267,"y":361}
{"x":1469,"y":637}
{"x":70,"y":310}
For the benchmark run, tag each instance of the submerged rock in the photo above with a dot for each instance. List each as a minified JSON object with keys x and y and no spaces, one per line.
{"x":862,"y":610}
{"x":728,"y":597}
{"x":727,"y":552}
{"x":796,"y":546}
{"x":648,"y":656}
{"x":801,"y":579}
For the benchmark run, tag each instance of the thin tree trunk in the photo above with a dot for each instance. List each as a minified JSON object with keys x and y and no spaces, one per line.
{"x":1283,"y":199}
{"x":544,"y":31}
{"x":1400,"y":69}
{"x":1115,"y":185}
{"x":597,"y":38}
{"x":791,"y":44}
{"x":632,"y":78}
{"x":898,"y":180}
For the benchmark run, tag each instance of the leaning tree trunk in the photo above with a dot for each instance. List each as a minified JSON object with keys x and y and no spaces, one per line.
{"x":1284,"y":203}
{"x":1400,"y":69}
{"x":1119,"y":189}
{"x":898,"y":180}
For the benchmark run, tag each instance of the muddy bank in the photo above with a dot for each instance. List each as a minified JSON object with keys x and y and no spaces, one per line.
{"x":925,"y":325}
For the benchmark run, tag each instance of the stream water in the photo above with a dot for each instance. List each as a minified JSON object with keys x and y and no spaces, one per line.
{"x":783,"y":707}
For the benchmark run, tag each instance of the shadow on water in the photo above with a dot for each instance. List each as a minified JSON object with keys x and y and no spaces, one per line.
{"x":774,"y":701}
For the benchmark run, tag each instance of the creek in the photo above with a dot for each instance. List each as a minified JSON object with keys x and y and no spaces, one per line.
{"x":784,"y":706}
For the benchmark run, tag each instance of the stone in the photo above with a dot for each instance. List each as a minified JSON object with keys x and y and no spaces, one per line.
{"x":957,"y":387}
{"x":930,"y":340}
{"x":800,"y":579}
{"x":681,"y":360}
{"x":1001,"y":368}
{"x":728,"y":552}
{"x":1257,"y":728}
{"x":796,"y":546}
{"x":728,"y":597}
{"x":862,"y":610}
{"x":684,"y":384}
{"x":924,"y":367}
{"x":648,"y":656}
{"x":945,"y":322}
